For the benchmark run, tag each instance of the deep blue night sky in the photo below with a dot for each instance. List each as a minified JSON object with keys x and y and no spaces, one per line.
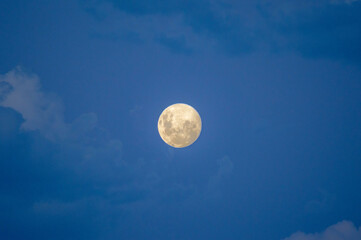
{"x":276,"y":83}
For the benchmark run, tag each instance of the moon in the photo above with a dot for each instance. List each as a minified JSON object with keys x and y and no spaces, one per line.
{"x":179,"y":125}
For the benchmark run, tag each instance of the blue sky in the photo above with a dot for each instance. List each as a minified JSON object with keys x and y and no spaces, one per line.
{"x":276,"y":83}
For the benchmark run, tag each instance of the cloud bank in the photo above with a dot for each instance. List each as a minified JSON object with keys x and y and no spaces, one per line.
{"x":57,"y":176}
{"x":55,"y":173}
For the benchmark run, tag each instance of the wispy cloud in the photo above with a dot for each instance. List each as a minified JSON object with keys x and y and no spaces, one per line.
{"x":344,"y":230}
{"x":175,"y":44}
{"x":318,"y":30}
{"x":225,"y":169}
{"x":344,"y":1}
{"x":184,"y":24}
{"x":43,"y":112}
{"x":321,"y":29}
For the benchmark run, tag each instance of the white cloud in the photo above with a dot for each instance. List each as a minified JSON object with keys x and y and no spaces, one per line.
{"x":43,"y":112}
{"x":344,"y":230}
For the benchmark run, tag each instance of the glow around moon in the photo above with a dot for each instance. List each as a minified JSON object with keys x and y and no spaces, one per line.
{"x":179,"y":125}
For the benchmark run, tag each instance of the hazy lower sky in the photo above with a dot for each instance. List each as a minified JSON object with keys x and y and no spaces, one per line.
{"x":276,"y":83}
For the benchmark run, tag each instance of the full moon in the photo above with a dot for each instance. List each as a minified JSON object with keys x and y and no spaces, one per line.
{"x":179,"y":125}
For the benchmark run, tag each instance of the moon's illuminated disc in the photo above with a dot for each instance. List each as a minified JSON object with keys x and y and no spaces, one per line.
{"x":179,"y":125}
